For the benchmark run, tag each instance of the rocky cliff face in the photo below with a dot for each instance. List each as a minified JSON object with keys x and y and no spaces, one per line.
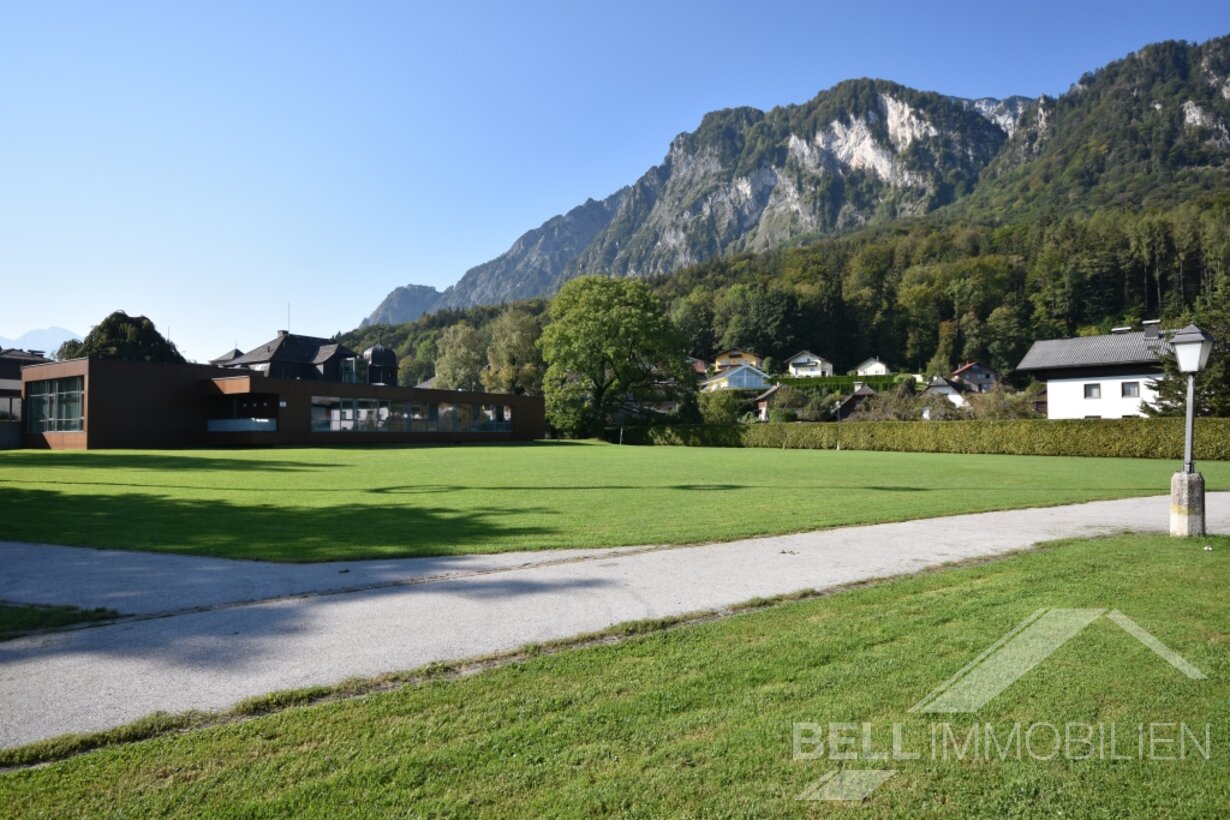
{"x":863,"y":151}
{"x":535,"y":261}
{"x":404,"y":304}
{"x":1005,"y":113}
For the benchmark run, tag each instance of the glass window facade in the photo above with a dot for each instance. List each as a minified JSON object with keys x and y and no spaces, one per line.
{"x":331,"y":414}
{"x":56,"y":405}
{"x":10,"y":408}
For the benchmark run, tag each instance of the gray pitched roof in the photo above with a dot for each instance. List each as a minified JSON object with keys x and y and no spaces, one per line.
{"x":12,"y":360}
{"x":293,"y":349}
{"x":937,"y":384}
{"x":228,"y":357}
{"x":768,"y":392}
{"x":1095,"y":351}
{"x":805,"y":353}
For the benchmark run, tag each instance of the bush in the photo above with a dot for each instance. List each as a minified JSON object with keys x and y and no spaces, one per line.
{"x":1118,"y":438}
{"x":720,"y":407}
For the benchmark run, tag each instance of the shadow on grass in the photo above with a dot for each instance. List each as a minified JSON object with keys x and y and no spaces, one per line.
{"x":421,"y":489}
{"x":279,"y":532}
{"x":149,"y":461}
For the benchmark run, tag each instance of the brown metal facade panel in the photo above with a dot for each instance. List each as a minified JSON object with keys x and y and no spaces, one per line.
{"x":229,"y":385}
{"x":141,"y":405}
{"x":132,"y":405}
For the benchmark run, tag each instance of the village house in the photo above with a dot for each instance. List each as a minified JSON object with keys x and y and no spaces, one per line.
{"x":743,"y":377}
{"x":1099,"y":377}
{"x":735,"y":357}
{"x":806,"y":365}
{"x":872,"y":367}
{"x":978,"y":378}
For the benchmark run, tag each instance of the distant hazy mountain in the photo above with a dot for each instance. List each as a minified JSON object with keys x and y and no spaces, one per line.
{"x":47,"y":340}
{"x":1149,"y":128}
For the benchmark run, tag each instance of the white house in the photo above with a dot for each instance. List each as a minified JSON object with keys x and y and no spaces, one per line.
{"x":872,"y":367}
{"x":743,"y":377}
{"x":806,"y":364}
{"x":940,"y":386}
{"x":1098,"y":377}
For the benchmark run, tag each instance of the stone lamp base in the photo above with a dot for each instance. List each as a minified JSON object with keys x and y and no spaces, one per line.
{"x":1187,"y":505}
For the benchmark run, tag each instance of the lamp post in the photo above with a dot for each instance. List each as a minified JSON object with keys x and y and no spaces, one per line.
{"x":1191,"y":349}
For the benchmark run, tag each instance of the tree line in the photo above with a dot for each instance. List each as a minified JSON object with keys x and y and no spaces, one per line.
{"x":923,"y":295}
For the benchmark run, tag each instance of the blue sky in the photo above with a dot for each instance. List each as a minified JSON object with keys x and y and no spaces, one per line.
{"x":205,"y":163}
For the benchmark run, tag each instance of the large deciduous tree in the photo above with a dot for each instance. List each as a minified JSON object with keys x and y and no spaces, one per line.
{"x":462,"y":356}
{"x":514,"y":361}
{"x":120,"y":336}
{"x":608,"y":340}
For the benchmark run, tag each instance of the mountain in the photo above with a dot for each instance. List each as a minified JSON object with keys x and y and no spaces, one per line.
{"x":1005,"y":113}
{"x":535,"y":261}
{"x":404,"y":304}
{"x":1150,"y":129}
{"x":863,"y":151}
{"x":47,"y":340}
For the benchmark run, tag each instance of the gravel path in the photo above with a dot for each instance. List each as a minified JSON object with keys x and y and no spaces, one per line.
{"x":213,"y":632}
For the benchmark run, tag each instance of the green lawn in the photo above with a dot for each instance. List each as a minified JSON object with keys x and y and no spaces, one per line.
{"x":17,"y":620}
{"x":350,"y":503}
{"x":697,"y":721}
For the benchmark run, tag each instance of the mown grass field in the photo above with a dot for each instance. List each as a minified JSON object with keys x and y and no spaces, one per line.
{"x":352,"y":503}
{"x":698,"y":720}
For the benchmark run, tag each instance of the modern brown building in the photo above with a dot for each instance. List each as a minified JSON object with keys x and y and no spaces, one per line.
{"x":107,"y":403}
{"x":12,"y":361}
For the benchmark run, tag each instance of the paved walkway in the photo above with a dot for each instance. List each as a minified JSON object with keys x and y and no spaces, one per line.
{"x":235,"y":629}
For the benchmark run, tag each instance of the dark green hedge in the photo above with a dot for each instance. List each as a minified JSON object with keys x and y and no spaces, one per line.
{"x":1121,"y":438}
{"x":841,"y":384}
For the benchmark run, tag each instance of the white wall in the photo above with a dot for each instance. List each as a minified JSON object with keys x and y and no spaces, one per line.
{"x":821,"y":368}
{"x":1065,"y":398}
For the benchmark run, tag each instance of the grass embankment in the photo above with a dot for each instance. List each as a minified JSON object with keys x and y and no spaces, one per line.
{"x":348,"y":503}
{"x":17,"y":620}
{"x":698,"y":720}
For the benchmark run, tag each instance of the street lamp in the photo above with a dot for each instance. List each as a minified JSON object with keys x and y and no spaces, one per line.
{"x":1191,"y":349}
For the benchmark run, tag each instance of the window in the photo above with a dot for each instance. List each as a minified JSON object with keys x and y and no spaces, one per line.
{"x":332,"y":414}
{"x":57,"y":406}
{"x":10,"y":409}
{"x":1093,"y":391}
{"x":347,"y":371}
{"x":1131,"y":390}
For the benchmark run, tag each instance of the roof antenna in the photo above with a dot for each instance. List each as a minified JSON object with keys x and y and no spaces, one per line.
{"x":288,"y":317}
